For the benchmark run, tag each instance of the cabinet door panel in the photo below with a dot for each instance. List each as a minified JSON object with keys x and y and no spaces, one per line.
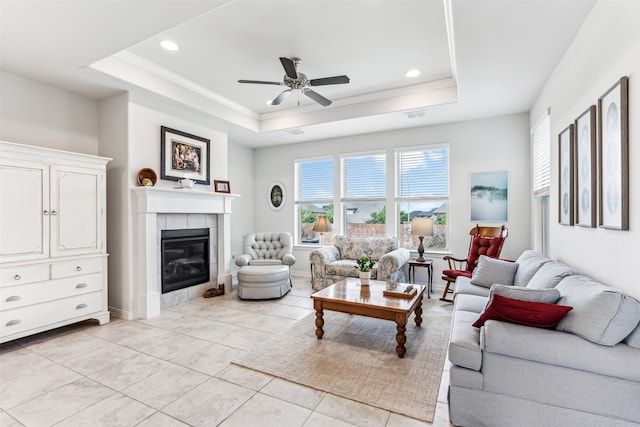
{"x":24,"y":198}
{"x":75,"y":209}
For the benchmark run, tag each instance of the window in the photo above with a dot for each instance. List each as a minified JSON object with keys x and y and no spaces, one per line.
{"x":364,"y":194}
{"x":541,"y":155}
{"x":314,"y":197}
{"x":422,"y":177}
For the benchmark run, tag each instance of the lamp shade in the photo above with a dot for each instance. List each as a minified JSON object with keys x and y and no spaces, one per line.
{"x":322,"y":224}
{"x":421,"y":226}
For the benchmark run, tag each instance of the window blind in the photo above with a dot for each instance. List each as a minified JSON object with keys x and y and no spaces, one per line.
{"x":365,"y":177}
{"x":315,"y":180}
{"x":423,"y":173}
{"x":541,"y":137}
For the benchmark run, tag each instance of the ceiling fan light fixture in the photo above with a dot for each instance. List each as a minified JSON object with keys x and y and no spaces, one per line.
{"x":413,"y":73}
{"x":169,"y":45}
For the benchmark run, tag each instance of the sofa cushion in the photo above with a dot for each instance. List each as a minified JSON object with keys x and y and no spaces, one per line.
{"x":549,"y":275}
{"x":359,"y":247}
{"x":347,"y":268}
{"x":464,"y":287}
{"x":491,"y":270}
{"x":528,"y":313}
{"x":550,"y":296}
{"x":601,"y":314}
{"x":464,"y":342}
{"x":472,"y":303}
{"x":528,"y":264}
{"x":633,"y":339}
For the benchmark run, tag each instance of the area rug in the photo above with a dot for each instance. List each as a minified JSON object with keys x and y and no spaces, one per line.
{"x":356,"y":359}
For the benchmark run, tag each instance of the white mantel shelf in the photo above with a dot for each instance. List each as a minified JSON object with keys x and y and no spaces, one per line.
{"x":176,"y":200}
{"x":148,"y":202}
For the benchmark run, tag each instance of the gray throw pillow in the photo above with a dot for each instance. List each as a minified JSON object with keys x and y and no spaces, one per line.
{"x":549,"y":296}
{"x":529,"y":262}
{"x":491,"y":270}
{"x":601,"y":314}
{"x":549,"y":275}
{"x":633,"y":339}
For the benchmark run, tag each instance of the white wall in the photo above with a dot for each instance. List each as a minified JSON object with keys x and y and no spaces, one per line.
{"x":494,"y":144}
{"x":34,"y":113}
{"x":241,"y":181}
{"x":606,"y":48}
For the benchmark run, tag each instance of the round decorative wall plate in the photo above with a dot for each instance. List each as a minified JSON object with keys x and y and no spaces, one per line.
{"x":276,"y":196}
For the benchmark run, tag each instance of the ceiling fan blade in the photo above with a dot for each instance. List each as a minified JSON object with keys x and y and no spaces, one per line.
{"x":289,"y":67}
{"x":336,"y":80}
{"x":317,"y":97}
{"x":281,"y":97}
{"x":260,"y":82}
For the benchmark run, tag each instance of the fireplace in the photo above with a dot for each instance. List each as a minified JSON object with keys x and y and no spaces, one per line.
{"x":184,"y":258}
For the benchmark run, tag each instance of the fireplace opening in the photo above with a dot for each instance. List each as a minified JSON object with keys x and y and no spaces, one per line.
{"x":185,"y":258}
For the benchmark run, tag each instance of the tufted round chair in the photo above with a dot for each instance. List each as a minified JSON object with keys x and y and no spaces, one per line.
{"x":267,"y":248}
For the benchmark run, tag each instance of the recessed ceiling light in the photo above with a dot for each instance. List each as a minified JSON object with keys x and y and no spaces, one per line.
{"x":413,"y":73}
{"x":169,"y":45}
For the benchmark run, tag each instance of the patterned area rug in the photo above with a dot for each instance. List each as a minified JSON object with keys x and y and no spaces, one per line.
{"x":356,"y":359}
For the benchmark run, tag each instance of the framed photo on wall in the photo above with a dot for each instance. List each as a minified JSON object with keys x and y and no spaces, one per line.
{"x":613,"y":148}
{"x":184,"y":156}
{"x":565,"y":173}
{"x":489,"y":196}
{"x":585,"y":168}
{"x":277,"y":196}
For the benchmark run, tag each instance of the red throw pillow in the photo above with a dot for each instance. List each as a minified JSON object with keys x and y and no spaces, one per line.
{"x":528,"y":313}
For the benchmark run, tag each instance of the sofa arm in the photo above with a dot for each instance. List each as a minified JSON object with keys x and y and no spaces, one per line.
{"x":288,"y":259}
{"x":243,"y":260}
{"x":320,"y":257}
{"x":391,"y":265}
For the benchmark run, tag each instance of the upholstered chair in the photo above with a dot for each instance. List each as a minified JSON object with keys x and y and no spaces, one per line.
{"x":267,"y":248}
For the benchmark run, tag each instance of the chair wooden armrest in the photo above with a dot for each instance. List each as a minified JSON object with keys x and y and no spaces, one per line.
{"x":455,"y":263}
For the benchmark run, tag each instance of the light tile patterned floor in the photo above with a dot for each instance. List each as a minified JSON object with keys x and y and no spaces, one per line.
{"x":175,"y":370}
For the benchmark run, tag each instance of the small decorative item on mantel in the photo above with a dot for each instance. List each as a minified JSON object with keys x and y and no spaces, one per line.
{"x":365,"y":265}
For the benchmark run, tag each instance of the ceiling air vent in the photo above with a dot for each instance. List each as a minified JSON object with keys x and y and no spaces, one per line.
{"x":415,"y":114}
{"x":296,"y":131}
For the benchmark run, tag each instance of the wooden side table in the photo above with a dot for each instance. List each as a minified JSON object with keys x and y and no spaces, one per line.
{"x":428,"y":264}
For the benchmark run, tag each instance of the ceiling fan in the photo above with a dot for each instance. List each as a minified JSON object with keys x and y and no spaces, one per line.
{"x":298,"y":81}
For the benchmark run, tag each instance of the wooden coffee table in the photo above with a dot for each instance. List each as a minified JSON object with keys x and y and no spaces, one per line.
{"x":347,"y":296}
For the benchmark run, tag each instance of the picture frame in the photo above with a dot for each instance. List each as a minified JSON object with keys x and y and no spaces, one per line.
{"x":565,"y":174}
{"x":489,"y":196}
{"x":276,"y":196}
{"x":613,"y":157}
{"x":184,"y":156}
{"x":221,"y":186}
{"x":585,"y":168}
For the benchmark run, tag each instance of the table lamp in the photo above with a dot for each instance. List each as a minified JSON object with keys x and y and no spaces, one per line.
{"x":322,"y":225}
{"x":421,"y":226}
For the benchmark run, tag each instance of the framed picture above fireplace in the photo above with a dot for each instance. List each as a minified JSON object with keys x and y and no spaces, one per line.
{"x":184,"y":156}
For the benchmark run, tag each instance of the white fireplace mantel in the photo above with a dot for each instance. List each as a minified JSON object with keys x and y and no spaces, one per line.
{"x":148,"y":202}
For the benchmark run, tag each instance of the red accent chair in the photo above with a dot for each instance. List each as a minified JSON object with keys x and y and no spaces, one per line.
{"x":484,"y":241}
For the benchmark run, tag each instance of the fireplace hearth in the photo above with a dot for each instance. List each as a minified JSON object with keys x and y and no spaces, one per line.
{"x":184,"y":258}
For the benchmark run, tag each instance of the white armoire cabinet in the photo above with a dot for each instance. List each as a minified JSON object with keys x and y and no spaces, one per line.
{"x":53,"y":260}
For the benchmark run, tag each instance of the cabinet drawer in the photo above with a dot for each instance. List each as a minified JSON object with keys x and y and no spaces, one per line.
{"x":35,"y":316}
{"x":19,"y":296}
{"x":77,"y":267}
{"x":24,"y":274}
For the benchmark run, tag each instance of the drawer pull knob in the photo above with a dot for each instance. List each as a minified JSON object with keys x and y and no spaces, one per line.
{"x":54,"y":213}
{"x":46,"y":212}
{"x":81,"y":306}
{"x":13,"y":322}
{"x":13,"y":298}
{"x":78,"y":268}
{"x":17,"y":277}
{"x":81,"y":285}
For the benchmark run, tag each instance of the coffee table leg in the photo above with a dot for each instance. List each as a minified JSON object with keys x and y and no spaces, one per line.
{"x":319,"y":321}
{"x":401,"y":338}
{"x":419,"y":313}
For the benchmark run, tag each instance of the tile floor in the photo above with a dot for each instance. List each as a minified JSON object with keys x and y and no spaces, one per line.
{"x":175,"y":370}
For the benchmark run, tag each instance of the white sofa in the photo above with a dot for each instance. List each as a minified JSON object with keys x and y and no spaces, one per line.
{"x":584,"y":372}
{"x":332,"y":263}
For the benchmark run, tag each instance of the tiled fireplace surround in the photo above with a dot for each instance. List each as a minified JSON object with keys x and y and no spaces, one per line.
{"x":158,"y":209}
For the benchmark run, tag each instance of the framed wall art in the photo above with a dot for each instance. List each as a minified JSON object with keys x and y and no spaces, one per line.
{"x":184,"y":156}
{"x":585,"y":168}
{"x":221,"y":186}
{"x":565,"y":173}
{"x":490,"y":196}
{"x":277,"y":196}
{"x":613,"y":165}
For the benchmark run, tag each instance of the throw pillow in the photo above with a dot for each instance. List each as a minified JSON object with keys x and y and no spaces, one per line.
{"x":492,"y":270}
{"x":549,"y":275}
{"x":529,"y":262}
{"x":550,"y":296}
{"x":528,"y":313}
